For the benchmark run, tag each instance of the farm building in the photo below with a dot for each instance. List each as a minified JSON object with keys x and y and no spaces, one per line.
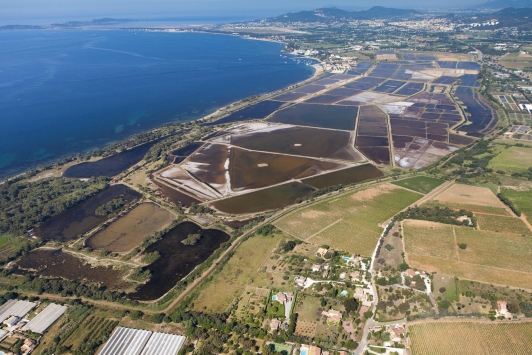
{"x":321,"y":252}
{"x":12,"y":321}
{"x":46,"y":318}
{"x":15,"y":308}
{"x":127,"y":341}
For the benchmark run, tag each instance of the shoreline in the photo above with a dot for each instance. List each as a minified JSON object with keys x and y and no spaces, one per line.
{"x":226,"y":109}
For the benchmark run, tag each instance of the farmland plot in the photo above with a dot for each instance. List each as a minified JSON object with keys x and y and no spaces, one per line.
{"x":471,"y":338}
{"x":472,"y":195}
{"x":489,"y":257}
{"x":348,"y":237}
{"x":235,"y":274}
{"x":367,"y":209}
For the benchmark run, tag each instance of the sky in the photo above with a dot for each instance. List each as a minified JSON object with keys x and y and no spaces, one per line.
{"x":28,"y":11}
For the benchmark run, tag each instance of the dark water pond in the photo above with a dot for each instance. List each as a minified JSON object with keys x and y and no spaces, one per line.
{"x":81,"y":217}
{"x":109,"y":166}
{"x":177,"y":260}
{"x":58,"y":264}
{"x":264,"y":200}
{"x":345,"y":176}
{"x":186,"y":151}
{"x":261,"y":110}
{"x":325,"y":116}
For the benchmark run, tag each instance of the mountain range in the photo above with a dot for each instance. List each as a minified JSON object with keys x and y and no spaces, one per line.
{"x":501,"y":4}
{"x":332,"y":13}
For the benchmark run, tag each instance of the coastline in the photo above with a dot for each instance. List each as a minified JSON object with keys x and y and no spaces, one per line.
{"x":229,"y":108}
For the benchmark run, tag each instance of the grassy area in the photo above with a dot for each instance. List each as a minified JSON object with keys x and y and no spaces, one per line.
{"x":423,"y":184}
{"x":348,"y":237}
{"x":447,"y":282}
{"x":366,"y":209}
{"x":502,"y":224}
{"x":522,"y":199}
{"x":10,"y":246}
{"x":512,"y":160}
{"x":231,"y":281}
{"x":470,"y":338}
{"x":307,"y":308}
{"x":489,"y":257}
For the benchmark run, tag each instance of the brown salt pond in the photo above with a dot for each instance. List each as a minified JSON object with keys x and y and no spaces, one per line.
{"x":175,"y":196}
{"x":264,"y":200}
{"x":345,"y":177}
{"x":252,"y":170}
{"x":82,"y":217}
{"x":305,"y":141}
{"x":130,"y":230}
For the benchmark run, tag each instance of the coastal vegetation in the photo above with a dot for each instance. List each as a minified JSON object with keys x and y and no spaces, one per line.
{"x":192,"y":239}
{"x":109,"y":207}
{"x":23,"y":205}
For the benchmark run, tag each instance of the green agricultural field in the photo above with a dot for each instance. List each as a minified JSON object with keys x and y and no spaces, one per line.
{"x":513,"y":159}
{"x":489,"y":257}
{"x":523,"y":201}
{"x":10,"y":246}
{"x":231,"y":281}
{"x":348,"y":237}
{"x":423,"y":184}
{"x":502,"y":224}
{"x":366,"y":209}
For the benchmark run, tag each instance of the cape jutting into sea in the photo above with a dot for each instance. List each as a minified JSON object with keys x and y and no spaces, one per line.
{"x":64,"y":92}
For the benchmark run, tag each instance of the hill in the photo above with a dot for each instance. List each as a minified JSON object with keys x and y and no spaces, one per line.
{"x":501,"y":4}
{"x":332,"y":14}
{"x":508,"y":17}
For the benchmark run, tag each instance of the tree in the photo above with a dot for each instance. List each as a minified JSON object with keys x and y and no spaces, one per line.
{"x":513,"y":307}
{"x":351,"y":305}
{"x":368,"y":314}
{"x":443,"y":289}
{"x":462,"y":245}
{"x":403,"y":267}
{"x":192,"y":239}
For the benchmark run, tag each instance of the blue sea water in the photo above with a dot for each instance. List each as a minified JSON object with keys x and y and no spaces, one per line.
{"x":63,"y":92}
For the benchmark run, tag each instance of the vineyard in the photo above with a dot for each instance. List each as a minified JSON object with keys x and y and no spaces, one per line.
{"x":92,"y":333}
{"x":471,"y":338}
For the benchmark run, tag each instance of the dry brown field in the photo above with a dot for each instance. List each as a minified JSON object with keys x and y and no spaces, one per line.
{"x":472,"y":195}
{"x":472,"y":338}
{"x":429,"y":238}
{"x":386,"y":57}
{"x":129,"y":231}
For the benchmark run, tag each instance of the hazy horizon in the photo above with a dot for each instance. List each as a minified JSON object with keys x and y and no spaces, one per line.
{"x":39,"y":12}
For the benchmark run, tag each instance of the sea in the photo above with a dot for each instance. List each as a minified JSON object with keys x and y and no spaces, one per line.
{"x":68,"y":91}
